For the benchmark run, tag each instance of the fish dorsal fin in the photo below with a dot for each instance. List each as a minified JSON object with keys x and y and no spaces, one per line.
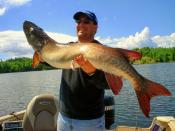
{"x":115,"y":82}
{"x":36,"y":59}
{"x":131,"y":55}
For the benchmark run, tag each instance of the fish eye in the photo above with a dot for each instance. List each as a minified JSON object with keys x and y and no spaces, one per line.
{"x":31,"y":29}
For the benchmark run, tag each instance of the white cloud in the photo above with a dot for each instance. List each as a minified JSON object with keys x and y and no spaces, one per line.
{"x":7,"y":4}
{"x":15,"y":2}
{"x":14,"y":43}
{"x":2,"y":10}
{"x":62,"y":38}
{"x":165,"y":41}
{"x":139,"y":40}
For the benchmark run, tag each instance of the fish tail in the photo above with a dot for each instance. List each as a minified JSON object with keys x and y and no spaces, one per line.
{"x":150,"y":90}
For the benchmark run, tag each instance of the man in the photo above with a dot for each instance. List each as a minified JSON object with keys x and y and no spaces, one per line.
{"x":82,"y":89}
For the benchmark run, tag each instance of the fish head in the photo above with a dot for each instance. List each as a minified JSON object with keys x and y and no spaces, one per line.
{"x":35,"y":35}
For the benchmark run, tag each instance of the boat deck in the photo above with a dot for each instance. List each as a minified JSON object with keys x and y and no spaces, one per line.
{"x":19,"y":116}
{"x":166,"y":123}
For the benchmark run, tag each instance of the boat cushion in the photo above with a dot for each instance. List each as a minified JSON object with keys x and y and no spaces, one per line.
{"x":41,"y":114}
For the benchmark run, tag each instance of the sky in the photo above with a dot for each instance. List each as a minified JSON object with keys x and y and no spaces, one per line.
{"x":121,"y":23}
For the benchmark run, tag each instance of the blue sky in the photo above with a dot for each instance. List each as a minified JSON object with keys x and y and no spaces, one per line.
{"x":122,"y":23}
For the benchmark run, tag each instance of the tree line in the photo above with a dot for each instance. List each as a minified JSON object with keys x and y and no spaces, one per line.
{"x":21,"y":65}
{"x":156,"y":55}
{"x":149,"y":55}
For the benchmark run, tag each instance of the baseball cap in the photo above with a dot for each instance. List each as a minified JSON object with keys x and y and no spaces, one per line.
{"x":91,"y":16}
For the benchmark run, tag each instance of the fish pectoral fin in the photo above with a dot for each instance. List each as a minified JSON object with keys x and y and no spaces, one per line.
{"x":150,"y":90}
{"x":131,"y":55}
{"x":36,"y":60}
{"x":114,"y":82}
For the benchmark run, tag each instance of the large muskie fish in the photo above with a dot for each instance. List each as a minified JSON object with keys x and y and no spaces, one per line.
{"x":113,"y":61}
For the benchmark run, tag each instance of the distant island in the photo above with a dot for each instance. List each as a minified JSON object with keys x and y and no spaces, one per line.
{"x":149,"y":56}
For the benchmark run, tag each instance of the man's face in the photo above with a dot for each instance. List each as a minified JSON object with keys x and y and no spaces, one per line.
{"x":85,"y":27}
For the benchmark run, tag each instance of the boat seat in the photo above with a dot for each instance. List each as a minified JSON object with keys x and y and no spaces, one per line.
{"x":157,"y":127}
{"x":41,"y":114}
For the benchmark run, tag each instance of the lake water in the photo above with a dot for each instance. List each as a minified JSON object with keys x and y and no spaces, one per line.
{"x":17,"y":89}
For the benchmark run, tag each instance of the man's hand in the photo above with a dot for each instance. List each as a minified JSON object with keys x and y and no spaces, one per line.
{"x":85,"y":64}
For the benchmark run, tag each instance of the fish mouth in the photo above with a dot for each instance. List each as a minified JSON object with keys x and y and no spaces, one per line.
{"x":28,"y":27}
{"x":34,"y":34}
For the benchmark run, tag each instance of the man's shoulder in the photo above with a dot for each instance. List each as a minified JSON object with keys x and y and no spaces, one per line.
{"x":72,"y":42}
{"x":96,"y":41}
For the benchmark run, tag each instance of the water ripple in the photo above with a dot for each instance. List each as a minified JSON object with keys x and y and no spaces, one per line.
{"x":17,"y":89}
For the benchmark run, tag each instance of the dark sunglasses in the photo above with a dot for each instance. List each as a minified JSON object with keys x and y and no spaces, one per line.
{"x":83,"y":21}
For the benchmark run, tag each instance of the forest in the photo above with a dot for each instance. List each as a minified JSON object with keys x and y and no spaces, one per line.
{"x":21,"y":65}
{"x":149,"y":56}
{"x":156,"y":55}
